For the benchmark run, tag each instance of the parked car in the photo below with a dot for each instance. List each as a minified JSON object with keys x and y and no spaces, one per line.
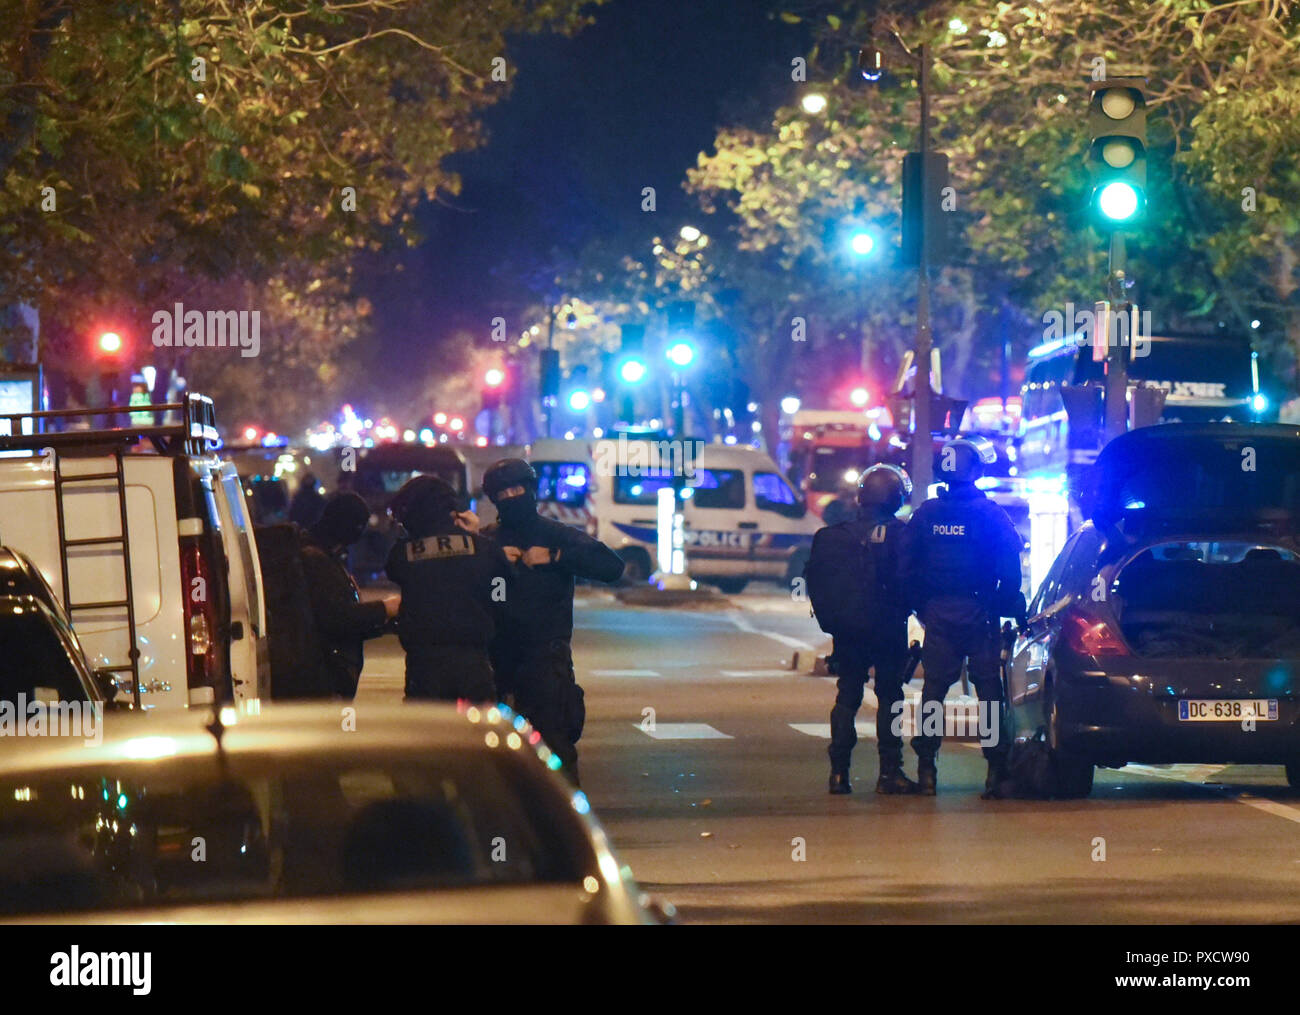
{"x":1168,"y":629}
{"x":43,"y":660}
{"x":421,"y":814}
{"x":144,"y":535}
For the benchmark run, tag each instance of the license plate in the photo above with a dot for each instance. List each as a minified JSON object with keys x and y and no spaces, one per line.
{"x":1225,"y":710}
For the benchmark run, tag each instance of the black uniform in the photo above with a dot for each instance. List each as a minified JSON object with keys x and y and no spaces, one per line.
{"x":342,"y":621}
{"x":961,"y":561}
{"x":454,"y":585}
{"x":881,"y":642}
{"x":533,"y":658}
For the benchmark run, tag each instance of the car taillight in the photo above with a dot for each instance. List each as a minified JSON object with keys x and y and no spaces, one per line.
{"x":1090,"y":635}
{"x":200,"y":616}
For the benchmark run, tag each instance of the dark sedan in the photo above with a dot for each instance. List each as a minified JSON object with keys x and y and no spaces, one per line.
{"x":1168,"y":629}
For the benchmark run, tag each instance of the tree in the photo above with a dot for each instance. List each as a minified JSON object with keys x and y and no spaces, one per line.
{"x":223,"y":139}
{"x":1009,"y":98}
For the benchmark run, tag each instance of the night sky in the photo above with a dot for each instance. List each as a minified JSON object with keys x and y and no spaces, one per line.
{"x":628,"y":103}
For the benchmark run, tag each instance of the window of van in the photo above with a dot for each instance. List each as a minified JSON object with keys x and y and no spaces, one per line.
{"x":709,"y":488}
{"x":773,"y":493}
{"x":718,"y":488}
{"x":562,"y":482}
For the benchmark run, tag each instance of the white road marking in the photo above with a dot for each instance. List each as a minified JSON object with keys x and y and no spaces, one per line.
{"x":625,"y":673}
{"x":759,"y":673}
{"x":744,"y":625}
{"x":1202,"y":774}
{"x":823,"y":729}
{"x":683,"y":731}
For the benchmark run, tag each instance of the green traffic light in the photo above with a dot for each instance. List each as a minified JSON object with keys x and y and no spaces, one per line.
{"x":1118,"y":201}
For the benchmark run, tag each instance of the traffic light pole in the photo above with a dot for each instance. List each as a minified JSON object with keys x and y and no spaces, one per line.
{"x":922,"y":444}
{"x":1116,"y":354}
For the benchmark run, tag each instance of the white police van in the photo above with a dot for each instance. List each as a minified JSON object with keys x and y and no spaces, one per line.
{"x":144,"y":534}
{"x":743,"y":519}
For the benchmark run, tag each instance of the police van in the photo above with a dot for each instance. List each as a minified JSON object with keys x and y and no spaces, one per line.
{"x":564,"y":481}
{"x":743,"y":519}
{"x":144,"y":534}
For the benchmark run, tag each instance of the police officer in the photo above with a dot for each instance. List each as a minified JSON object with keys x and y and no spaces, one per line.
{"x":533,"y":657}
{"x":881,"y":640}
{"x":961,"y":569}
{"x":454,"y":585}
{"x":342,"y":621}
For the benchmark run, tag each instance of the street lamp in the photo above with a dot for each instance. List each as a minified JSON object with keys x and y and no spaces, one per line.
{"x":862,"y":242}
{"x":814,"y":103}
{"x":689,"y":233}
{"x":790,"y":405}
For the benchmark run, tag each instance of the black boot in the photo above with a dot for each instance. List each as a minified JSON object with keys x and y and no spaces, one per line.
{"x":839,"y":784}
{"x":892,"y":781}
{"x":996,"y":778}
{"x":895,"y":783}
{"x":927,"y":777}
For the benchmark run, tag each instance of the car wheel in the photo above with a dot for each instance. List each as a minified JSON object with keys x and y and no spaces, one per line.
{"x":636,"y":566}
{"x":731,"y":586}
{"x":1071,"y":775}
{"x":1293,"y":774}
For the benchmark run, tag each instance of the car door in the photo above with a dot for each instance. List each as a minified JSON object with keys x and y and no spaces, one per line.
{"x":1029,"y":657}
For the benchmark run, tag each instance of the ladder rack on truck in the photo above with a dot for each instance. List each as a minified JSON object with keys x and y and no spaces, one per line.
{"x":195,"y":433}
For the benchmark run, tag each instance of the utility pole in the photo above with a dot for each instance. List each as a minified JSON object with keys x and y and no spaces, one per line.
{"x":1108,"y":331}
{"x":922,"y":445}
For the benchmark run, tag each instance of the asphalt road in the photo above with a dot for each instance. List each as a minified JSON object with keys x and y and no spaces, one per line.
{"x":717,"y":797}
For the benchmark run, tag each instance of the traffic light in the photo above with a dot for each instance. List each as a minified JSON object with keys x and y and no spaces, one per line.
{"x":550,"y":370}
{"x":681,"y":317}
{"x":1117,"y":153}
{"x":494,"y":380}
{"x":579,"y":398}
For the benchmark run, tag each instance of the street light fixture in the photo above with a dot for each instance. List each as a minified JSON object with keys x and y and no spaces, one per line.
{"x":862,"y":242}
{"x":814,"y":103}
{"x":689,"y":233}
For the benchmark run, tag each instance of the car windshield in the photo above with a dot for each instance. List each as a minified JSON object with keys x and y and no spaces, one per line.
{"x":837,"y":468}
{"x":151,"y":834}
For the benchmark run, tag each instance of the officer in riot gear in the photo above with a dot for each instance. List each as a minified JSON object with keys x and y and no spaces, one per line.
{"x":878,"y":641}
{"x":533,"y":657}
{"x":454,"y":588}
{"x":961,"y":570}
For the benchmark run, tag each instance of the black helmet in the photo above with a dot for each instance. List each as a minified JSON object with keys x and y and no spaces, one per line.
{"x":508,"y":473}
{"x":886,"y":486}
{"x":963,"y":459}
{"x":422,"y":502}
